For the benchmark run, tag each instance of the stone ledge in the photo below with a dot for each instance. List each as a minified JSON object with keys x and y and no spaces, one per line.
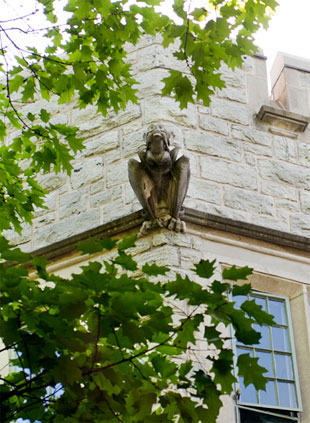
{"x":249,"y":230}
{"x":289,"y":121}
{"x":205,"y":220}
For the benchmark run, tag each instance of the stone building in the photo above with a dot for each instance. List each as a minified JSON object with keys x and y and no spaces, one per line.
{"x":248,"y":202}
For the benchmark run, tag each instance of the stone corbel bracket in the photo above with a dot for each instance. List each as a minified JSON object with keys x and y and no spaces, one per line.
{"x":282,"y":120}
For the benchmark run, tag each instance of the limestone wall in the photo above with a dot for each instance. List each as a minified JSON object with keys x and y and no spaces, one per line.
{"x":242,"y":167}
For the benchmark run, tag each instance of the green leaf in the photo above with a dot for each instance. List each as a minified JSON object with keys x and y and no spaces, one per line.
{"x":244,"y":289}
{"x":205,"y":268}
{"x":44,"y":115}
{"x":16,"y":83}
{"x":90,"y":246}
{"x":154,"y":270}
{"x":213,"y":336}
{"x":251,"y":371}
{"x":108,"y":243}
{"x":16,"y":255}
{"x":234,"y":273}
{"x":256,"y":311}
{"x":127,"y":242}
{"x":223,"y":368}
{"x":126,"y":261}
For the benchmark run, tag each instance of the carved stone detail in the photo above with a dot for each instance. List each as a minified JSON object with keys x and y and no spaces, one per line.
{"x":160,"y":181}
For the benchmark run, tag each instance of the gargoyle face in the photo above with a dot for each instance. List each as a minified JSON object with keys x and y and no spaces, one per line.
{"x":157,"y":138}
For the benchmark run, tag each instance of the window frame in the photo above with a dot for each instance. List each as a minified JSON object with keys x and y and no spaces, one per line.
{"x":275,"y":410}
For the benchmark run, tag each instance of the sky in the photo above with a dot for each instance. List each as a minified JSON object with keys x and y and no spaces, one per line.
{"x":289,"y":29}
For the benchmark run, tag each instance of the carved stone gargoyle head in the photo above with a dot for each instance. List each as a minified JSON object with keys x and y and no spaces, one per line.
{"x":160,"y":180}
{"x":157,"y":132}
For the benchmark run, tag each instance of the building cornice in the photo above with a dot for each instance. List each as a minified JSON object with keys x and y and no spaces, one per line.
{"x":204,"y":220}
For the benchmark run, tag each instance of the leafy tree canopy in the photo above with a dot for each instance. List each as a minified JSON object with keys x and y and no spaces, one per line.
{"x":107,"y":345}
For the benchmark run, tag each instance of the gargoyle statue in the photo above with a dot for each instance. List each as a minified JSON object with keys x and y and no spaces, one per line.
{"x":160,"y":181}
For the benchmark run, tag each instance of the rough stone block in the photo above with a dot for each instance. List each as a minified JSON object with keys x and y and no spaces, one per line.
{"x":193,"y":162}
{"x":229,"y":110}
{"x":285,"y":149}
{"x":250,"y":159}
{"x":234,"y":78}
{"x":112,"y":156}
{"x":133,"y":126}
{"x":305,"y":201}
{"x":287,"y":205}
{"x":106,"y":197}
{"x":50,"y":202}
{"x":165,"y":255}
{"x":14,"y":238}
{"x":304,"y":154}
{"x":278,"y":190}
{"x":238,"y":175}
{"x":130,"y":196}
{"x":73,"y":203}
{"x":204,"y":190}
{"x":248,"y":201}
{"x":44,"y":220}
{"x":300,"y":224}
{"x":66,"y":228}
{"x":132,"y":112}
{"x":234,"y":94}
{"x":96,"y":187}
{"x":212,"y":144}
{"x":150,"y":82}
{"x":251,"y":135}
{"x":52,"y":181}
{"x":117,"y":173}
{"x":132,"y":143}
{"x":257,"y":150}
{"x":100,"y":144}
{"x":88,"y":120}
{"x":167,"y":109}
{"x":156,"y":56}
{"x":213,"y":124}
{"x":142,"y":245}
{"x":280,"y":172}
{"x":86,"y":172}
{"x":114,"y":211}
{"x":188,"y":258}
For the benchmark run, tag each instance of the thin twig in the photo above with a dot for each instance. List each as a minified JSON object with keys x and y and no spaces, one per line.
{"x":19,"y":17}
{"x":101,"y":369}
{"x":186,"y":36}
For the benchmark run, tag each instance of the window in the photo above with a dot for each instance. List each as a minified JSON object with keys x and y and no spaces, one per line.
{"x":275,"y":351}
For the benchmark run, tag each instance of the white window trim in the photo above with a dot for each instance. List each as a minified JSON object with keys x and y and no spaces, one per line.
{"x":263,"y":408}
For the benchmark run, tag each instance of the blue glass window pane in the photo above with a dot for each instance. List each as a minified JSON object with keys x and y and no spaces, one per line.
{"x":287,"y":394}
{"x":268,"y":397}
{"x":280,"y":339}
{"x":248,"y":394}
{"x":265,"y":360}
{"x":239,"y":300}
{"x":284,"y":368}
{"x":277,"y":309}
{"x":259,"y":301}
{"x":241,"y":350}
{"x":264,"y":342}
